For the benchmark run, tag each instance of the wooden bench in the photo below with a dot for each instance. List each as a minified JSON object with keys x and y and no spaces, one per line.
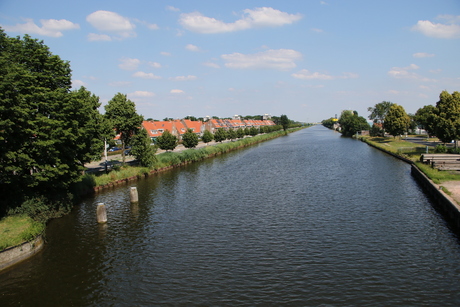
{"x":442,"y":161}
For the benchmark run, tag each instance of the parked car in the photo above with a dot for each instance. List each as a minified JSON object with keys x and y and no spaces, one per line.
{"x":114,"y":149}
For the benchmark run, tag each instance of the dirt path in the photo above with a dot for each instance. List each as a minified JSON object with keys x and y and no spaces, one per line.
{"x":454,"y":188}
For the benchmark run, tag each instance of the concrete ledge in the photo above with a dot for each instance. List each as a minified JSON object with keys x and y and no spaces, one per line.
{"x":16,"y":254}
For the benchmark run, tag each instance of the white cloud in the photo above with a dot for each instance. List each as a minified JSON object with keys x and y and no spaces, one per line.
{"x":155,"y":64}
{"x":141,"y":94}
{"x":323,"y":3}
{"x":211,"y":64}
{"x":50,"y":27}
{"x":406,"y":73}
{"x":317,"y":30}
{"x":439,"y":30}
{"x":184,"y":78}
{"x":423,"y":55}
{"x":164,"y":53}
{"x":259,"y":17}
{"x":193,"y":48}
{"x":112,"y":22}
{"x":144,"y":75}
{"x":277,"y":59}
{"x":176,"y":91}
{"x":403,"y":72}
{"x":77,"y":83}
{"x":129,"y":64}
{"x":304,"y":74}
{"x":172,"y":8}
{"x":120,"y":83}
{"x":93,"y":37}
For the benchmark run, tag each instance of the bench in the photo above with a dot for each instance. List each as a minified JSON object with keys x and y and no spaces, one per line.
{"x":442,"y":161}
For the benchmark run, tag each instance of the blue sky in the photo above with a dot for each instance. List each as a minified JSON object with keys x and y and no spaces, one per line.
{"x":307,"y":59}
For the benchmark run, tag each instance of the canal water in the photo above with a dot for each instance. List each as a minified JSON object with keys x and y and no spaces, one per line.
{"x":309,"y":219}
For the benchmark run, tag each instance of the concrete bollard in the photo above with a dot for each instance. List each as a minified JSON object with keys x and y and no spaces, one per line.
{"x":101,"y":213}
{"x":133,"y":194}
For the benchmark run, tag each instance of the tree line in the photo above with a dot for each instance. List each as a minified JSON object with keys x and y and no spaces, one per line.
{"x":48,"y":132}
{"x":441,"y":120}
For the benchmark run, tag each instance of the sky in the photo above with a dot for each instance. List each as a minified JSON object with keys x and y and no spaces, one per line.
{"x":307,"y":59}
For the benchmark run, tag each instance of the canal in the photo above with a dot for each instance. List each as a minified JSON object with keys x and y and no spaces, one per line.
{"x":309,"y":219}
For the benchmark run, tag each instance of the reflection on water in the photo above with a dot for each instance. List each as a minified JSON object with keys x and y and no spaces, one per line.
{"x":307,"y":219}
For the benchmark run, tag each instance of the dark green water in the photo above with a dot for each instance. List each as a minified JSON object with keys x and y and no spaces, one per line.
{"x":310,"y":219}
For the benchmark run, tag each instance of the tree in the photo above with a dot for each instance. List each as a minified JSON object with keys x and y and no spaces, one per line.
{"x":189,"y":139}
{"x":47,"y":132}
{"x":121,"y":112}
{"x":447,"y":117}
{"x":207,"y":136}
{"x":220,"y":135}
{"x":240,"y":133}
{"x":253,"y":131}
{"x":378,"y":113}
{"x":231,"y":134}
{"x":284,"y":121}
{"x":142,"y":149}
{"x":167,"y":141}
{"x":351,"y":123}
{"x":396,"y":121}
{"x":424,"y":117}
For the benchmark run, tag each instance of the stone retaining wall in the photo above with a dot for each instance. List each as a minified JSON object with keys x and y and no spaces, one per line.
{"x":16,"y":254}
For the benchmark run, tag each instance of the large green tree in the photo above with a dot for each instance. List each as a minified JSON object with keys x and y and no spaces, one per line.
{"x":121,"y":113}
{"x":207,"y":136}
{"x":284,"y":122}
{"x":378,"y":113}
{"x":190,"y":139}
{"x":220,"y":135}
{"x":142,"y":149}
{"x":396,"y":121}
{"x":47,"y":132}
{"x":167,"y":141}
{"x":351,"y":123}
{"x":424,"y":117}
{"x":447,"y":117}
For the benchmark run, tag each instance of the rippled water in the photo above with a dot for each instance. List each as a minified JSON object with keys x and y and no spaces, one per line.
{"x":310,"y":219}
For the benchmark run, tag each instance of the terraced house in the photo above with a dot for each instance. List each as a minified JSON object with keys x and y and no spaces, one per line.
{"x":180,"y":126}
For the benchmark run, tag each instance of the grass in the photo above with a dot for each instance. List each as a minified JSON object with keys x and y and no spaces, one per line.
{"x":17,"y":229}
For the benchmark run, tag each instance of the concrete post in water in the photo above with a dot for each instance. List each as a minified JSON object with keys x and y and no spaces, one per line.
{"x":133,"y":194}
{"x":101,"y":213}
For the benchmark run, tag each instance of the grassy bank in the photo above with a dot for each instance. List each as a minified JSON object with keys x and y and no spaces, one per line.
{"x":412,"y":152}
{"x":17,"y":229}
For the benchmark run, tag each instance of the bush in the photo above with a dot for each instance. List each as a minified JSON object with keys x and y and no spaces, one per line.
{"x":440,"y":148}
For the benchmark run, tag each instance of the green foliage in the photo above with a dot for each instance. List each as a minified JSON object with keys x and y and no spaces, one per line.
{"x":447,"y":117}
{"x":378,"y":113}
{"x":376,"y":130}
{"x":284,"y":122}
{"x":142,"y":149}
{"x":351,"y":123}
{"x":440,"y":148}
{"x":47,"y":132}
{"x":220,"y":135}
{"x":190,"y":139}
{"x":231,"y":134}
{"x":167,"y":141}
{"x":122,"y":115}
{"x":396,"y":121}
{"x":240,"y":133}
{"x":253,"y":131}
{"x":207,"y":136}
{"x":424,"y":117}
